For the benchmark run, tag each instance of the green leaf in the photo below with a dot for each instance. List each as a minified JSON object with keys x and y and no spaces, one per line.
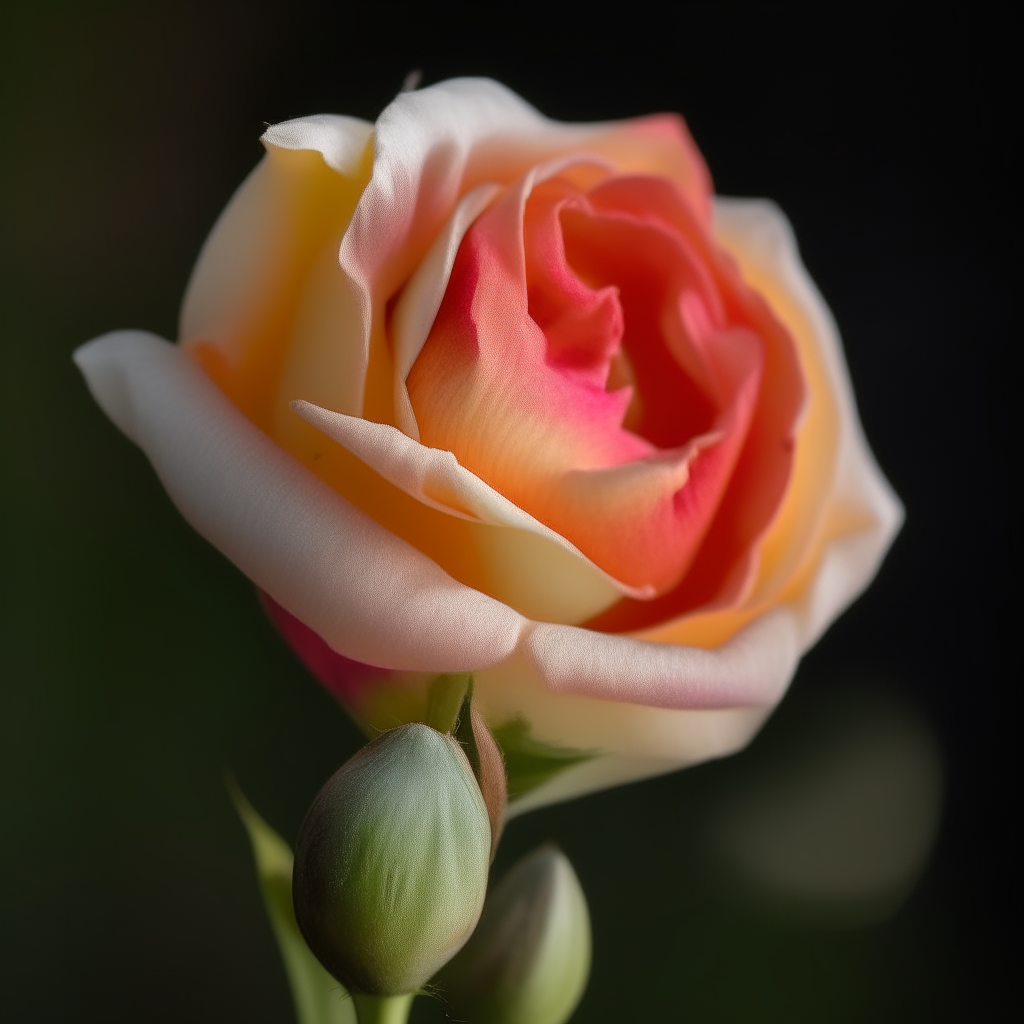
{"x":318,"y":998}
{"x":528,"y":762}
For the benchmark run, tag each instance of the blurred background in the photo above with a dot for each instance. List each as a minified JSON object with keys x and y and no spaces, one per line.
{"x":852,"y":865}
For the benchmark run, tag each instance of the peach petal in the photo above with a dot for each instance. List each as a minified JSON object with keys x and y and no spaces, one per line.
{"x":241,"y":299}
{"x":434,"y":477}
{"x":661,"y":504}
{"x":513,"y":375}
{"x":421,"y":298}
{"x":433,"y":146}
{"x":855,"y":496}
{"x":840,"y":515}
{"x":485,"y":363}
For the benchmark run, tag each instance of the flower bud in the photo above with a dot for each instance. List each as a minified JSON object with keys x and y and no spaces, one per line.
{"x":529,"y":958}
{"x":391,"y":862}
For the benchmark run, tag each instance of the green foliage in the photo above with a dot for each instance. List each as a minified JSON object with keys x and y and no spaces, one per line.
{"x":319,"y":998}
{"x":530,"y":763}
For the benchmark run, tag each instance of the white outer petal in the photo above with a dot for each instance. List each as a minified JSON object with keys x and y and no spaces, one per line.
{"x":751,"y":669}
{"x":577,"y":689}
{"x":366,"y":592}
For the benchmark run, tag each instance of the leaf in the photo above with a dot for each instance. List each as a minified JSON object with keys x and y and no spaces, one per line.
{"x":318,"y":998}
{"x":528,"y":762}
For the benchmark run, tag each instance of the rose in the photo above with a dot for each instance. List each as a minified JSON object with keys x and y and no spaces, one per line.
{"x":471,"y":390}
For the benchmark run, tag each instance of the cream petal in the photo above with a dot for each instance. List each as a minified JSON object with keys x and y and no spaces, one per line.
{"x":339,"y":139}
{"x":753,"y":668}
{"x":704,"y":735}
{"x":270,"y":260}
{"x":246,"y":255}
{"x":865,"y":518}
{"x":321,"y":364}
{"x":644,"y":709}
{"x":367,"y":593}
{"x":435,"y":478}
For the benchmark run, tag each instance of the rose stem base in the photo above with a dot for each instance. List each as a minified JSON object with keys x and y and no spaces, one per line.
{"x":382,"y":1009}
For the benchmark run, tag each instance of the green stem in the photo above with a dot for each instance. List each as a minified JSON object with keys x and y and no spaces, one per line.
{"x":382,"y":1009}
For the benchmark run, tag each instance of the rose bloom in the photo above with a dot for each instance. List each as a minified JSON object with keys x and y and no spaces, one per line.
{"x":471,"y":390}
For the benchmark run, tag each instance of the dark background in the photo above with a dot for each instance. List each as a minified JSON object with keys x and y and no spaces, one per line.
{"x":136,"y":664}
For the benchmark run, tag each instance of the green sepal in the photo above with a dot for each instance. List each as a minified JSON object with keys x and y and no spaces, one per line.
{"x":530,"y":763}
{"x":463,"y":730}
{"x":447,"y":694}
{"x":318,"y":998}
{"x":485,"y":758}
